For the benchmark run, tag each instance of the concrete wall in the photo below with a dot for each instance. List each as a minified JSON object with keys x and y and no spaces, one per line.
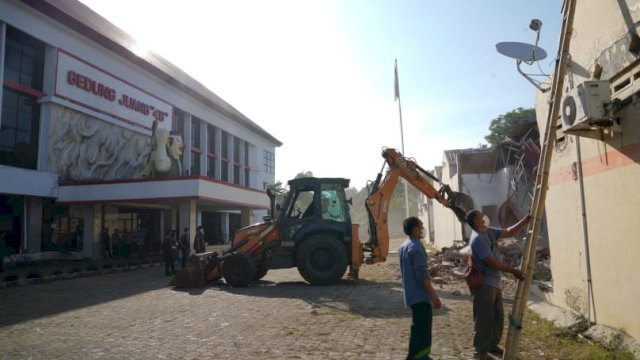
{"x":611,"y":169}
{"x":446,"y":227}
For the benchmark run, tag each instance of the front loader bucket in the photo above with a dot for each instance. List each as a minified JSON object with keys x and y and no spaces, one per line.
{"x":198,"y":271}
{"x":191,"y":276}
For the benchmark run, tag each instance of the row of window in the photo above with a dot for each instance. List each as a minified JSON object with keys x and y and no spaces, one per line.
{"x":239,"y":170}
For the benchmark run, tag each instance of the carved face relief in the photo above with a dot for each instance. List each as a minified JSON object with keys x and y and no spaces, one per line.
{"x":176,"y":146}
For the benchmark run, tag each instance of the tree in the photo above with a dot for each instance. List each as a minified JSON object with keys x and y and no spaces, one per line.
{"x":278,"y":188}
{"x":501,"y":127}
{"x":304,"y":174}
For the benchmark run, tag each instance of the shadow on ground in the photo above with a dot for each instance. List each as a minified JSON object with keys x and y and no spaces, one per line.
{"x":24,"y":303}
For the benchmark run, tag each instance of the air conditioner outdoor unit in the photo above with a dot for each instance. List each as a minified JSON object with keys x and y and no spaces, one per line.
{"x":585,"y":106}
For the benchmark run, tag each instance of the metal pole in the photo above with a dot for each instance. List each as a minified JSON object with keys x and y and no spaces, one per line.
{"x":585,"y":231}
{"x":397,"y":93}
{"x":542,"y":179}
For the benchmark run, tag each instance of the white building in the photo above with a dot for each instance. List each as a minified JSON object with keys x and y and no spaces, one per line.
{"x":78,"y":108}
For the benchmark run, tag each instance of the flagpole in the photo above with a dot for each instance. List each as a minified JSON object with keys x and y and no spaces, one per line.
{"x":397,"y":96}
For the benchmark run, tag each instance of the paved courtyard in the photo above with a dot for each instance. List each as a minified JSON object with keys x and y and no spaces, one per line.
{"x":135,"y":315}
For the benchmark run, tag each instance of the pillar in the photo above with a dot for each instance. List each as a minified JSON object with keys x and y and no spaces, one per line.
{"x":224,"y":220}
{"x":187,"y":216}
{"x":97,"y":251}
{"x":34,"y":225}
{"x":246,"y":216}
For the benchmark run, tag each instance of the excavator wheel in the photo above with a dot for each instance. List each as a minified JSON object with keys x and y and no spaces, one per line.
{"x":322,"y":260}
{"x":261,"y":270}
{"x":238,"y":269}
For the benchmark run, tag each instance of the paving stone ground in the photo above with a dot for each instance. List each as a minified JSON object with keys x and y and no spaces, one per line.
{"x":136,"y":315}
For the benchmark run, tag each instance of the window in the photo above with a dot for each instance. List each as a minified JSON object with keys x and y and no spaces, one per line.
{"x":211,"y":139}
{"x":195,"y":132}
{"x":24,"y":59}
{"x":179,"y":124}
{"x":194,"y":169}
{"x":224,"y":171}
{"x":236,"y":160}
{"x":62,"y":227}
{"x":211,"y":166}
{"x":333,"y":204}
{"x":247,"y":168}
{"x":19,"y":131}
{"x":303,"y":205}
{"x":225,"y":145}
{"x":211,"y":151}
{"x":23,"y":76}
{"x":269,"y":162}
{"x":236,"y":173}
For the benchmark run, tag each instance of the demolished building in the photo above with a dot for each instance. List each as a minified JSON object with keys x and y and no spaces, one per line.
{"x":499,"y":180}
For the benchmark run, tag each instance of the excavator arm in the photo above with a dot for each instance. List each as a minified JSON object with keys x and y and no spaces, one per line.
{"x":380,"y":192}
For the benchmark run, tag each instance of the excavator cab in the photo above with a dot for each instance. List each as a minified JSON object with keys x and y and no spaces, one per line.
{"x":315,"y":230}
{"x":315,"y":205}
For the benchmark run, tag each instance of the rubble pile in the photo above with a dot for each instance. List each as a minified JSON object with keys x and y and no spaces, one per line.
{"x":450,"y":263}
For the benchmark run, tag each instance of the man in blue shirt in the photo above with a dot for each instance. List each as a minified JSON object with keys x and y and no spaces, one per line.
{"x":488,"y":309}
{"x":419,"y":294}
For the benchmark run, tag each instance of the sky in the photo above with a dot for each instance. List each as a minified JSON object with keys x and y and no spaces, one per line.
{"x":318,"y":75}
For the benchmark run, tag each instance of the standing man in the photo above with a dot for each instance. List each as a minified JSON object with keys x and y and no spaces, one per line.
{"x":184,"y":247}
{"x":419,"y":294}
{"x":170,"y":248}
{"x":198,"y":242}
{"x":116,"y":243}
{"x":105,"y":238}
{"x":488,"y":309}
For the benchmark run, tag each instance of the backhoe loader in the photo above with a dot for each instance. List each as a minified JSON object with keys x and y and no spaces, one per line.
{"x":311,"y":229}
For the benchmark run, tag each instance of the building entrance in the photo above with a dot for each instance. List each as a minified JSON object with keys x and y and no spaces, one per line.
{"x":135,"y":232}
{"x":11,"y":209}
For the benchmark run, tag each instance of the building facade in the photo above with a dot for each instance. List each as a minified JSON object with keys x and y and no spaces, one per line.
{"x":94,"y":136}
{"x":592,"y":203}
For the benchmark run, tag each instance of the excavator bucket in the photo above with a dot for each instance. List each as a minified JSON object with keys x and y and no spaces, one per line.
{"x":460,"y":204}
{"x":194,"y":275}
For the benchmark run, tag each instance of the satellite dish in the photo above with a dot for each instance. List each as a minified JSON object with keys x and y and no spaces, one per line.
{"x":521,"y":51}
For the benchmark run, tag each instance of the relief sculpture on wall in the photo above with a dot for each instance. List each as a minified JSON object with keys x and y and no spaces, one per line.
{"x":85,"y":148}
